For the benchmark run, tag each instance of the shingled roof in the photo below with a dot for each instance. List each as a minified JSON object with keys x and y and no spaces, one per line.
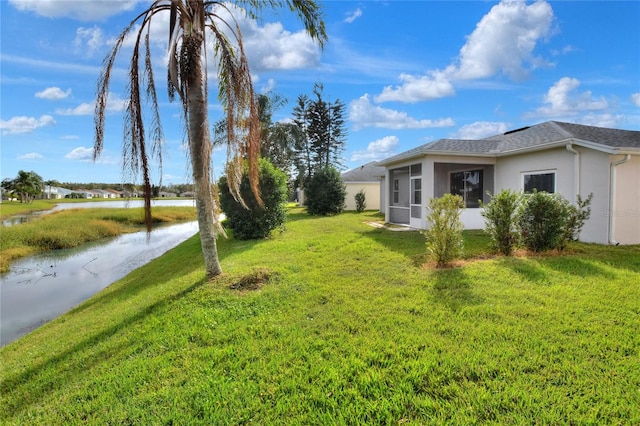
{"x":369,"y":172}
{"x":539,"y":136}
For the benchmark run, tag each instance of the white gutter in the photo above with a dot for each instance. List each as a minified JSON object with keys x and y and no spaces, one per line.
{"x":576,"y":168}
{"x":612,"y":185}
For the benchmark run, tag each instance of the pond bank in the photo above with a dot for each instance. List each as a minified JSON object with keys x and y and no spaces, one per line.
{"x":42,"y":287}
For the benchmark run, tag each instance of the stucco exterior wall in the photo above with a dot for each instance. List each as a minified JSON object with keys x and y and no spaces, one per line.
{"x":509,"y":170}
{"x":594,"y":179}
{"x":626,"y":209}
{"x":371,"y":192}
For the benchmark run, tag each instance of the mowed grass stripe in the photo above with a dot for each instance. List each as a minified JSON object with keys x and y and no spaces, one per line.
{"x":348,"y":327}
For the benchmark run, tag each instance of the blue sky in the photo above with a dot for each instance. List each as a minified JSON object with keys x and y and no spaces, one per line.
{"x":409,"y":72}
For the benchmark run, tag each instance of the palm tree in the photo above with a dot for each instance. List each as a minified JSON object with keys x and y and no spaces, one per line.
{"x":191,"y":23}
{"x":26,"y":185}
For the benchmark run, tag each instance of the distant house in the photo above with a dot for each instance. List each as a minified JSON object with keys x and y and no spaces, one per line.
{"x":365,"y":178}
{"x":54,"y":192}
{"x":556,"y":157}
{"x":163,"y":194}
{"x":103,"y":193}
{"x":84,"y":192}
{"x":114,"y":193}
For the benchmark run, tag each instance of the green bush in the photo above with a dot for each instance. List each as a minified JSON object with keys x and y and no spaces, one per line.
{"x":543,"y":220}
{"x":256,"y":221}
{"x":576,"y":217}
{"x":444,"y":236}
{"x":324,"y":192}
{"x":501,"y":220}
{"x":361,"y":201}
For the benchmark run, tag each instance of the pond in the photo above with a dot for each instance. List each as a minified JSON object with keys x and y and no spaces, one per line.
{"x":43,"y":287}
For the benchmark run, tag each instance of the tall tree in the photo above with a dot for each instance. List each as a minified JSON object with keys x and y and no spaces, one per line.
{"x":323,"y":126}
{"x":26,"y":186}
{"x":194,"y":25}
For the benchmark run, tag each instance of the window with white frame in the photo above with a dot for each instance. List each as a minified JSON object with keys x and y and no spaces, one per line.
{"x":396,"y":191}
{"x":541,"y":181}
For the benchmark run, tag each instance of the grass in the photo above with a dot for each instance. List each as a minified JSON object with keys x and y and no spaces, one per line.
{"x":336,"y":322}
{"x":74,"y":227}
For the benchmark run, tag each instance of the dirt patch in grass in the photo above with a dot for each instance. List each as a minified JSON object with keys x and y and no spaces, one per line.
{"x":254,"y":281}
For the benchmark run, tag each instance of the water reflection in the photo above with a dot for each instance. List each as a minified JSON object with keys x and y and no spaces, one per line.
{"x":40,"y":288}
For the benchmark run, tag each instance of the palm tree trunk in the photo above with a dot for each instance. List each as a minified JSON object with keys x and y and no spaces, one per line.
{"x":200,"y":149}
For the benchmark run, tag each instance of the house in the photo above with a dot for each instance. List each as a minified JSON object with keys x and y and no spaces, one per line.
{"x":54,"y":192}
{"x":553,"y":156}
{"x":365,"y":178}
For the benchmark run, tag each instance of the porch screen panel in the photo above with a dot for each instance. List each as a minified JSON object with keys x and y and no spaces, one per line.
{"x":416,"y":212}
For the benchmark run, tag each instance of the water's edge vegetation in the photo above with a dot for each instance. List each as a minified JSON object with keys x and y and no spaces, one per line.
{"x":74,"y":227}
{"x":336,"y":322}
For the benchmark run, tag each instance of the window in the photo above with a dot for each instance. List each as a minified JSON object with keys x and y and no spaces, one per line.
{"x":540,"y":181}
{"x":416,"y":191}
{"x":468,"y":185}
{"x":396,"y":191}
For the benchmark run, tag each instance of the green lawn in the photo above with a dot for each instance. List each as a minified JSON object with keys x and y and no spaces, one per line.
{"x":341,"y":324}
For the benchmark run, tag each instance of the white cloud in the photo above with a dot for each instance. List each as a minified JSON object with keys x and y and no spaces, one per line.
{"x":480,"y":129}
{"x":561,"y":100}
{"x":269,"y":86}
{"x":91,"y":37}
{"x":604,"y":120}
{"x":504,"y":40}
{"x":376,"y":150}
{"x":80,"y":153}
{"x":415,"y":89}
{"x":363,"y":114}
{"x":23,"y":124}
{"x":80,"y":9}
{"x":271,"y":46}
{"x":53,"y":94}
{"x":352,"y":16}
{"x":635,"y":98}
{"x":114,"y":104}
{"x":30,"y":156}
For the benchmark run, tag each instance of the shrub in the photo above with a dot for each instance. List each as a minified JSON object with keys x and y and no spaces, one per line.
{"x":576,"y":217}
{"x":256,"y":221}
{"x":501,"y":220}
{"x":324,"y":192}
{"x":444,"y":236}
{"x":543,"y":220}
{"x":361,"y":201}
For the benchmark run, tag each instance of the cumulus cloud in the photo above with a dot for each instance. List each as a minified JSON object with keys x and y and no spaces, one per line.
{"x":269,"y":86}
{"x":480,"y":129}
{"x":114,"y":104}
{"x":363,"y":113}
{"x":635,"y":98}
{"x":562,"y":100}
{"x":376,"y":150}
{"x":352,"y":16}
{"x":80,"y":10}
{"x":23,"y":124}
{"x":503,"y":42}
{"x":30,"y":156}
{"x":603,"y":120}
{"x":53,"y":94}
{"x":272,"y":47}
{"x":415,"y":89}
{"x":89,"y":40}
{"x":80,"y":153}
